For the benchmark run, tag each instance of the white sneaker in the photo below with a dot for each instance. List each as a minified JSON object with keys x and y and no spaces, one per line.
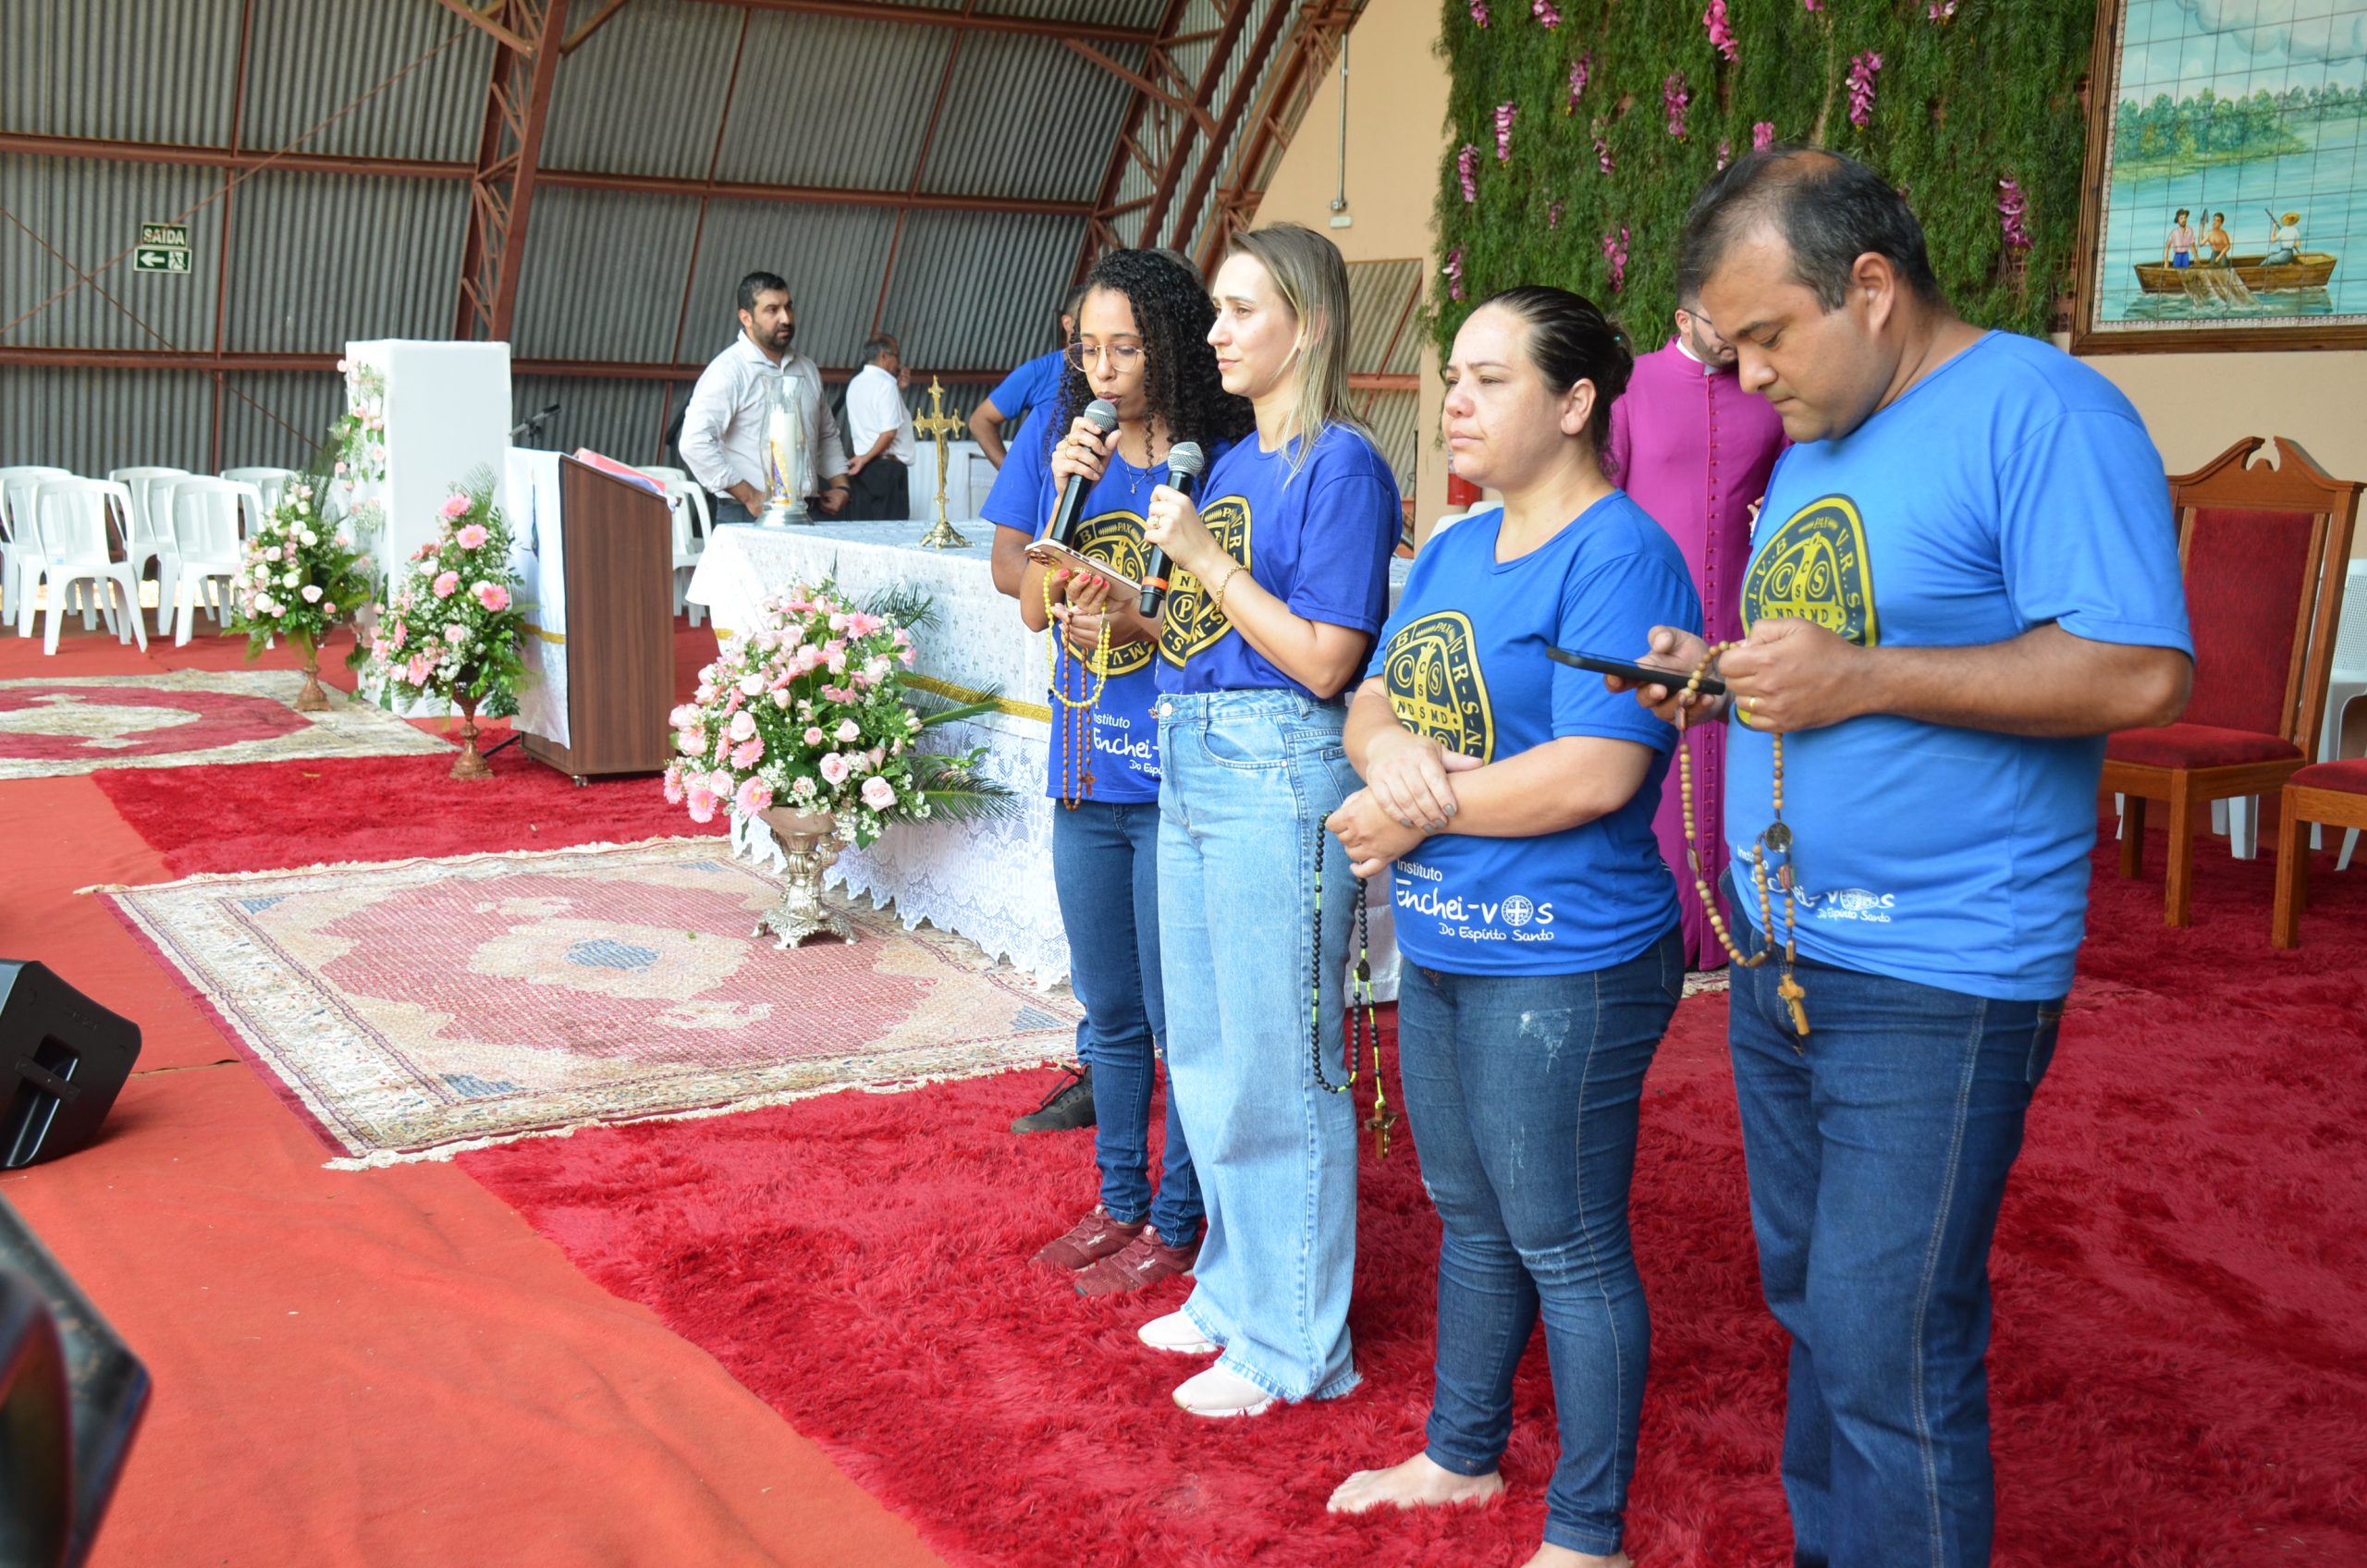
{"x":1217,"y":1394}
{"x":1177,"y":1334}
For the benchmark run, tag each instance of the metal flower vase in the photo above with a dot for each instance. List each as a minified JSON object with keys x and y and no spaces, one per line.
{"x":810,"y":843}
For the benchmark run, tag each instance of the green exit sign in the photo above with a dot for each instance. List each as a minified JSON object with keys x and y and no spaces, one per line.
{"x":164,"y":247}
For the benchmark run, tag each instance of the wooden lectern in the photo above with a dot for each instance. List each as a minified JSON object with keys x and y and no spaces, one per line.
{"x":617,"y":554}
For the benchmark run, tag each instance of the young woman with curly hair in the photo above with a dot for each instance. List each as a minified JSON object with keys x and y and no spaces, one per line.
{"x":1142,"y":345}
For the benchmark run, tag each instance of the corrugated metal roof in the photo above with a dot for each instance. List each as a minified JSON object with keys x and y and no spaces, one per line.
{"x":829,"y":101}
{"x":999,"y":140}
{"x":624,"y":420}
{"x":277,"y":420}
{"x":972,"y":291}
{"x":603,"y":276}
{"x":1378,"y":296}
{"x":831,"y":256}
{"x":65,"y":70}
{"x":91,"y":421}
{"x":644,"y":95}
{"x":316,"y":60}
{"x":90,"y":213}
{"x":318,"y":261}
{"x":1395,"y":419}
{"x":1146,"y":14}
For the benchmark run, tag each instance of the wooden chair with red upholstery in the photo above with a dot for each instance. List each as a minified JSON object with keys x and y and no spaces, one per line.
{"x":2334,"y":793}
{"x":2265,"y":551}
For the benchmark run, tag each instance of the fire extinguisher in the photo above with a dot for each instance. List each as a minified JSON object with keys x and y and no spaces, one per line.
{"x":1461,"y":493}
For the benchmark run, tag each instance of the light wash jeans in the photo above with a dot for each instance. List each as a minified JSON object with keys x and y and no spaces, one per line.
{"x":1248,"y":778}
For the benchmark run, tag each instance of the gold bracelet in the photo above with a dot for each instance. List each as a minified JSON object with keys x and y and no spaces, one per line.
{"x":1217,"y":599}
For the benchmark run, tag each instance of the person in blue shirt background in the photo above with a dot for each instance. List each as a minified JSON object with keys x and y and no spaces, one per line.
{"x":1281,"y":579}
{"x":1142,"y":343}
{"x":1034,"y":386}
{"x":1964,"y":576}
{"x":1515,"y":796}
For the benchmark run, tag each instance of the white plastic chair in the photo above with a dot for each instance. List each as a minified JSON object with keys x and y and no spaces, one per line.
{"x":151,"y":535}
{"x":2346,"y":684}
{"x":20,"y":543}
{"x":685,"y":498}
{"x":206,"y":527}
{"x":271,"y":483}
{"x":75,"y":516}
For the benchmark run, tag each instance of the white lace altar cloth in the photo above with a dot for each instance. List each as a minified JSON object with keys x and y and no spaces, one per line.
{"x":991,"y":882}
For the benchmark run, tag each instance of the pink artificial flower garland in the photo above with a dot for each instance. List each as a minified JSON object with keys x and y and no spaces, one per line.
{"x":1763,"y":136}
{"x":1674,"y":98}
{"x":1505,"y":115}
{"x":1615,"y":252}
{"x":1721,"y":35}
{"x":1467,"y":170}
{"x":1581,"y":69}
{"x":2011,"y":203}
{"x":1862,"y":69}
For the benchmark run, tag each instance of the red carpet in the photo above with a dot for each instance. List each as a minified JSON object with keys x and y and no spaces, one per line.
{"x":2179,"y":1366}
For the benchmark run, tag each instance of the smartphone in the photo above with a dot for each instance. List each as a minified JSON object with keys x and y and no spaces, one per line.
{"x":1637,"y":674}
{"x":1044,"y":552}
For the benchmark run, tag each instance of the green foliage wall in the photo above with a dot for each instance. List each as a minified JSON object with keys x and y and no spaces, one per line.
{"x":1989,"y":93}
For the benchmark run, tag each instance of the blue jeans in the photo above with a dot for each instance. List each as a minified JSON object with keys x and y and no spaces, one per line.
{"x":1105,"y":869}
{"x":1878,"y":1149}
{"x":1523,"y":1091}
{"x":1248,"y":778}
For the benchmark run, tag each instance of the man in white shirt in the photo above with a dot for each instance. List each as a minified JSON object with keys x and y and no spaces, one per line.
{"x":880,"y":431}
{"x":723,"y":428}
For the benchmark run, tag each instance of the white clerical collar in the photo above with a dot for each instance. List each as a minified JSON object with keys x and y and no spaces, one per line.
{"x":1687,"y":349}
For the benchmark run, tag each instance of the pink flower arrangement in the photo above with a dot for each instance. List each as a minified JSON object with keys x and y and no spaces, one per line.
{"x":2011,"y":203}
{"x":1674,"y":98}
{"x":1862,"y":69}
{"x":1763,"y":136}
{"x":1722,"y":34}
{"x":1614,"y":253}
{"x":1467,"y":171}
{"x":771,"y":724}
{"x":297,"y":576}
{"x":1505,"y":115}
{"x":455,"y":508}
{"x":1581,"y":69}
{"x":446,"y":584}
{"x":435,"y":642}
{"x":471,"y":537}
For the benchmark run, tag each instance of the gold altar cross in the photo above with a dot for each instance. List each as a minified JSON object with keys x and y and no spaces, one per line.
{"x":939,"y":427}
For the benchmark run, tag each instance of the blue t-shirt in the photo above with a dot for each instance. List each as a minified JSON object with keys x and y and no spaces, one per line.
{"x":1319,"y":540}
{"x":1035,"y":385}
{"x":2011,"y":489}
{"x":1464,"y":661}
{"x":1124,"y":762}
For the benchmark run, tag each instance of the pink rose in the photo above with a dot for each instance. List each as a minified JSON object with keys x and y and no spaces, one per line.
{"x":878,"y":794}
{"x":754,"y":796}
{"x":673,"y":787}
{"x":492,"y":596}
{"x":748,"y":753}
{"x":849,"y":731}
{"x":910,"y":656}
{"x":814,"y":737}
{"x":834,"y":769}
{"x":743,"y":724}
{"x":454,"y":509}
{"x":721,"y":783}
{"x":471,"y":537}
{"x":448,"y":584}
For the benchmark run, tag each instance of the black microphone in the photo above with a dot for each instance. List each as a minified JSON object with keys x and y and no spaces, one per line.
{"x":1103,"y":414}
{"x":1183,"y":466}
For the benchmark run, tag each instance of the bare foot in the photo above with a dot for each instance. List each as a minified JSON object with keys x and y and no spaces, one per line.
{"x":1417,"y":1483}
{"x":1550,"y":1556}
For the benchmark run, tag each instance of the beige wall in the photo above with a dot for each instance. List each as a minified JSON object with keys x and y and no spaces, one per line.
{"x":2196,"y":405}
{"x":1396,"y":132}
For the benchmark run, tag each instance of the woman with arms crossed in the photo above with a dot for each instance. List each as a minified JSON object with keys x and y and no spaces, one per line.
{"x":1141,"y":344}
{"x":1283,"y":576}
{"x":1537,"y":921}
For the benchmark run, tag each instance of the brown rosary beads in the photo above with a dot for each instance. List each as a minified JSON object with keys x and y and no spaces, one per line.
{"x":1076,"y":714}
{"x":1773,"y":841}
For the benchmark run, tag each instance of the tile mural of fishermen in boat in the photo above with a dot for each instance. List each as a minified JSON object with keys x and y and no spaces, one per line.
{"x":2255,"y":109}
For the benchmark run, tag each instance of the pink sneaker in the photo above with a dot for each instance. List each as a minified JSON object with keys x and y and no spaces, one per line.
{"x":1145,"y":1261}
{"x":1095,"y":1236}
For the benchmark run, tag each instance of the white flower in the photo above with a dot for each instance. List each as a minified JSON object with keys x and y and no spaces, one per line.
{"x":849,"y":730}
{"x":272,"y":554}
{"x":312,"y":593}
{"x":293,"y":578}
{"x":309,"y":538}
{"x":752,"y":685}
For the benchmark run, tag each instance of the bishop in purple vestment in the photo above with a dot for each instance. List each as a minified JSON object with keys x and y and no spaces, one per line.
{"x":1695,"y":449}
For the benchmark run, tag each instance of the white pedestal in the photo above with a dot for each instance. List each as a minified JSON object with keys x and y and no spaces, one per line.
{"x":447,"y":423}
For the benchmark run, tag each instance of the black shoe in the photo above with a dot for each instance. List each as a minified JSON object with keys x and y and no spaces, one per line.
{"x":1069,"y":1106}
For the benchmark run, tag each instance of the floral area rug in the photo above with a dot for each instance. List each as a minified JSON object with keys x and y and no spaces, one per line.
{"x":83,"y":724}
{"x":415,"y":1007}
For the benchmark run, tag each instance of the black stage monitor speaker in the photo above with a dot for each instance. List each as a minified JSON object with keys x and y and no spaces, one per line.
{"x":63,"y":1061}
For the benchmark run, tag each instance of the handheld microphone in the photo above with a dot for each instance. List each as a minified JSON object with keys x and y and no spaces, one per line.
{"x":1065,"y":517}
{"x":1183,"y":466}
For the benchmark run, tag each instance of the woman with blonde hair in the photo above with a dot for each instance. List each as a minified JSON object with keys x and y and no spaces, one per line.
{"x":1281,"y":579}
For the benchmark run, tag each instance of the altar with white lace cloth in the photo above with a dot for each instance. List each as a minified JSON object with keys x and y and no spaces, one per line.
{"x":989,"y":881}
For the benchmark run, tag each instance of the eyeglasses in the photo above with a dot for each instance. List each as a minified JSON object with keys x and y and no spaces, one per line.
{"x":1119,"y":356}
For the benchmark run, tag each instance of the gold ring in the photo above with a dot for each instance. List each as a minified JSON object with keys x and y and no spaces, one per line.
{"x":1742,"y":712}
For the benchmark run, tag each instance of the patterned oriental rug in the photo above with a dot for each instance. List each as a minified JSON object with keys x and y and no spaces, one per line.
{"x":412,"y":1007}
{"x":83,"y":724}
